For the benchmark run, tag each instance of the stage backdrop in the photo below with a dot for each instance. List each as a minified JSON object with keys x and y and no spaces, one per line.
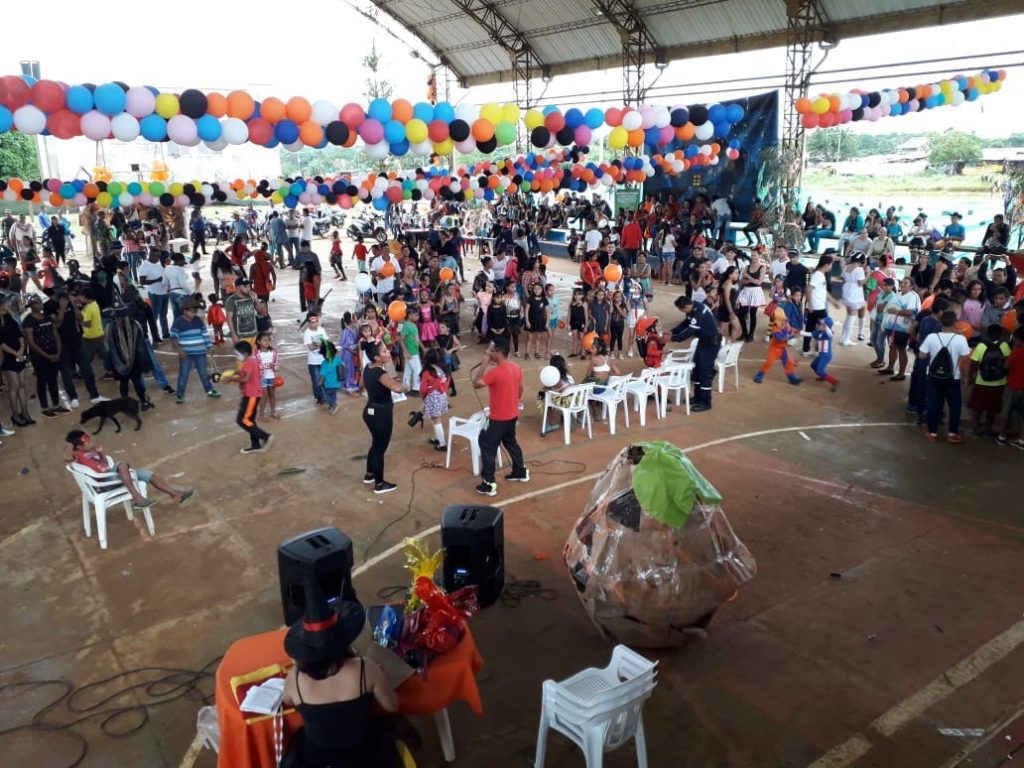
{"x":737,"y":178}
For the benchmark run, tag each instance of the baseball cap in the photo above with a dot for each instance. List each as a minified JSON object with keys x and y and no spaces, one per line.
{"x":242,"y":281}
{"x":791,"y":252}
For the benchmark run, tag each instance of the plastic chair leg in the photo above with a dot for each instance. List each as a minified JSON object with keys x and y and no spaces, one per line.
{"x":448,"y":458}
{"x":86,"y":517}
{"x":101,"y":522}
{"x":474,"y":454}
{"x":641,"y":744}
{"x":567,"y":425}
{"x":593,"y":748}
{"x":610,"y":409}
{"x":149,"y":522}
{"x":736,"y":368}
{"x":542,"y":742}
{"x":444,"y":733}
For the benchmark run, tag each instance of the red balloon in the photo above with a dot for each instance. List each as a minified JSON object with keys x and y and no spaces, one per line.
{"x":826,"y":120}
{"x":613,"y":116}
{"x":48,"y":95}
{"x":14,"y":92}
{"x":554,"y":121}
{"x":352,"y":115}
{"x":809,"y":120}
{"x":394,"y":194}
{"x":437,"y":130}
{"x":64,"y":124}
{"x":260,"y":130}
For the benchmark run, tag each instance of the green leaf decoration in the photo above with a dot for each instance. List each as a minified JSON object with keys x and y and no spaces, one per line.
{"x":667,"y":484}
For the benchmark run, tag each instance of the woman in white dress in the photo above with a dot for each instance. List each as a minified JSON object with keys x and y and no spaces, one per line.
{"x":854,"y":278}
{"x":751,"y":297}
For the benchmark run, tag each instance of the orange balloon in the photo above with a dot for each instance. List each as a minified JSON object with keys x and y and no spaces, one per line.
{"x":272,"y":110}
{"x":636,"y":138}
{"x":803,"y":104}
{"x":90,"y":189}
{"x":446,"y":274}
{"x":240,"y":105}
{"x":298,"y":110}
{"x":311,"y":134}
{"x":396,"y":310}
{"x":401,"y":110}
{"x":833,"y":103}
{"x":387,"y":269}
{"x":613,"y":273}
{"x":56,"y":200}
{"x":588,"y":340}
{"x":543,"y":259}
{"x":483,"y":130}
{"x":16,"y":184}
{"x":493,"y":182}
{"x":216,"y":104}
{"x":512,"y":189}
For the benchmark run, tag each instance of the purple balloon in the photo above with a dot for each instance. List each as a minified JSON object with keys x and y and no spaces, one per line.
{"x":371,"y":131}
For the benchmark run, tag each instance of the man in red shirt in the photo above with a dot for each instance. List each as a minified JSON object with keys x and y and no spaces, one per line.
{"x":504,"y":382}
{"x":631,"y":239}
{"x":251,"y":389}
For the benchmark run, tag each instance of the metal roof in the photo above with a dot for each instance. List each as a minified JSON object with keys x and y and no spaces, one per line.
{"x":474,"y":38}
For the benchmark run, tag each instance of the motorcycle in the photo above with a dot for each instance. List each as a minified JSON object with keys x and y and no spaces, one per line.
{"x":367,"y":225}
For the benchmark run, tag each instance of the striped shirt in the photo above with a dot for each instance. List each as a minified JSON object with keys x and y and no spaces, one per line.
{"x":191,"y":335}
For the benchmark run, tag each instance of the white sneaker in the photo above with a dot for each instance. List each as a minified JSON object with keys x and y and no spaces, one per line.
{"x":74,"y":403}
{"x":99,"y":399}
{"x":4,"y":432}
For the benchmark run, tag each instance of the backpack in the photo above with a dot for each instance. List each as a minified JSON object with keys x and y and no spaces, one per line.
{"x":941,"y":366}
{"x":993,"y":363}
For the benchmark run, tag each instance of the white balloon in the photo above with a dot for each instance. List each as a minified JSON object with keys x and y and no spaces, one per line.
{"x":30,"y":120}
{"x":466,"y":145}
{"x":706,"y":150}
{"x":549,"y":376}
{"x":234,"y":131}
{"x":466,"y":112}
{"x":125,"y":199}
{"x":631,"y":121}
{"x":324,"y":112}
{"x":217,"y":145}
{"x":95,"y":125}
{"x":125,"y":127}
{"x":378,"y":151}
{"x":662,"y":117}
{"x":140,"y":101}
{"x":295,"y":146}
{"x":363,"y":282}
{"x":705,"y":131}
{"x":423,"y":148}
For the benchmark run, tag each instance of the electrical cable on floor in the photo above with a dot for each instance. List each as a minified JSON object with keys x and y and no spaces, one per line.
{"x":116,"y":721}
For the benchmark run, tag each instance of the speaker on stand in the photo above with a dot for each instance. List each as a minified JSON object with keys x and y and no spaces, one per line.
{"x":473,"y":538}
{"x":326,"y":555}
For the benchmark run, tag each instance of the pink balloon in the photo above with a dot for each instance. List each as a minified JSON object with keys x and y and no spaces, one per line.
{"x":181,"y":201}
{"x":582,"y":135}
{"x":53,"y":185}
{"x":145,"y":198}
{"x":80,"y":198}
{"x":466,"y":145}
{"x":96,"y":125}
{"x":666,"y":134}
{"x":181,"y":129}
{"x":371,"y":131}
{"x":344,"y":201}
{"x":648,"y":116}
{"x":139,"y":101}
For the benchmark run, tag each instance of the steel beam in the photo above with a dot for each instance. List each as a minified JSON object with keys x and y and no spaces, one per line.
{"x":637,"y":45}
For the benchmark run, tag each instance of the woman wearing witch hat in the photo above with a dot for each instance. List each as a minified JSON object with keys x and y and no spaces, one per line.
{"x":334,"y":690}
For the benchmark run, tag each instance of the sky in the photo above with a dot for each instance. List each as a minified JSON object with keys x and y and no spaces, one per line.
{"x":316,"y":52}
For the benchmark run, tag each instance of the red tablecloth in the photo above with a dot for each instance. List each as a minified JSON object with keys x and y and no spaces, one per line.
{"x":450,"y":678}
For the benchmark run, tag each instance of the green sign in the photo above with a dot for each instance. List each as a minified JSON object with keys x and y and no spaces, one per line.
{"x":627,"y":199}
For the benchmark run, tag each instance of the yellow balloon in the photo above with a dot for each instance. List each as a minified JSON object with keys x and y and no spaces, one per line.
{"x":468,"y":194}
{"x":510,"y":113}
{"x":821,"y":105}
{"x":103,"y":199}
{"x":533,"y":118}
{"x":416,"y":131}
{"x":167,"y":105}
{"x":276,"y":198}
{"x":176,"y":189}
{"x":444,"y":147}
{"x":618,"y":137}
{"x":491,"y":111}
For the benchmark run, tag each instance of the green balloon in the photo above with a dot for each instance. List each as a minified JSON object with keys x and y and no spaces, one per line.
{"x":284,"y":190}
{"x":115,"y":188}
{"x":505,"y":133}
{"x":156,"y":189}
{"x":407,"y":194}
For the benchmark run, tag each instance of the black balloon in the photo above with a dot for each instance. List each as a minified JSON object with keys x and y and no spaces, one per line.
{"x":122,"y":86}
{"x":417,"y":194}
{"x":35,"y":186}
{"x":482,"y":182}
{"x":911,"y":94}
{"x":698,"y":114}
{"x":3,"y":185}
{"x":352,"y":190}
{"x":680,"y":117}
{"x":565,"y":136}
{"x":196,"y":199}
{"x":166,"y":199}
{"x":331,"y":198}
{"x":339,"y":187}
{"x":458,"y":130}
{"x":540,"y":136}
{"x":189,"y":189}
{"x":27,"y":194}
{"x":858,"y":114}
{"x":102,"y":185}
{"x":874,"y":99}
{"x":192,"y":103}
{"x":487,"y":146}
{"x":337,"y":132}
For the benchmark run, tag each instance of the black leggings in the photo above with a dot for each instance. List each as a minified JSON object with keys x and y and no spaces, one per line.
{"x":137,"y":382}
{"x":748,"y":321}
{"x":246,"y":419}
{"x":46,"y":381}
{"x":616,"y":334}
{"x":380,"y":423}
{"x":514,"y":326}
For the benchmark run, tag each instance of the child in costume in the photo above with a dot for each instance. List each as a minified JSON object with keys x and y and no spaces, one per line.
{"x":434,"y":385}
{"x":654,"y":342}
{"x":269,"y":364}
{"x":778,"y":346}
{"x":349,"y":347}
{"x":215,"y":318}
{"x":823,"y":335}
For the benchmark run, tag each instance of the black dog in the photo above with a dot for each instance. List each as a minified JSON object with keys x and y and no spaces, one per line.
{"x":129,"y":406}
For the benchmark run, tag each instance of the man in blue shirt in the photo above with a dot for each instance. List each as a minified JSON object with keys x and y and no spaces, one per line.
{"x":954,"y":232}
{"x":854,"y":223}
{"x":699,"y":321}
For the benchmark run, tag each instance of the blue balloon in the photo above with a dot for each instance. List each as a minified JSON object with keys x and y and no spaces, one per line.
{"x":78,"y":184}
{"x":323,"y":142}
{"x":444,"y":112}
{"x":549,"y":109}
{"x":380,"y":203}
{"x":716,"y":113}
{"x":151,"y":89}
{"x":574,"y":118}
{"x":722,"y":129}
{"x":297,"y":188}
{"x":896,"y":109}
{"x":394,"y":132}
{"x":6,"y":119}
{"x":734,"y":143}
{"x":652,"y":136}
{"x":273,"y":142}
{"x":323,"y":190}
{"x":255,"y":110}
{"x":679,"y":117}
{"x":208,"y":127}
{"x":67,"y":190}
{"x":286,"y":131}
{"x":134,"y":188}
{"x":865,"y":101}
{"x":29,"y":79}
{"x":380,"y":110}
{"x":399,"y":148}
{"x":153,"y":127}
{"x":594,"y":118}
{"x":291,"y":201}
{"x":109,"y":99}
{"x":734,"y":113}
{"x":488,"y":194}
{"x":691,"y":151}
{"x":423,"y":111}
{"x":972,"y":94}
{"x":79,"y":99}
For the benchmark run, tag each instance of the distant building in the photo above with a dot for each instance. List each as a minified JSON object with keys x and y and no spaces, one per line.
{"x":916,"y":147}
{"x":1007,"y":158}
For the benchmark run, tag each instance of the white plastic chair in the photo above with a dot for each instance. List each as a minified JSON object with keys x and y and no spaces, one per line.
{"x":614,"y":393}
{"x":470,"y":429}
{"x":674,"y":378}
{"x":681,"y":355}
{"x":728,"y":357}
{"x":644,"y":386}
{"x":103,"y":490}
{"x":599,"y":709}
{"x":570,"y":402}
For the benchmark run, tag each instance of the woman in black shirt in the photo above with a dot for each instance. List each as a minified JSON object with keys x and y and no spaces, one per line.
{"x":44,"y":351}
{"x":378,"y":415}
{"x":12,"y":345}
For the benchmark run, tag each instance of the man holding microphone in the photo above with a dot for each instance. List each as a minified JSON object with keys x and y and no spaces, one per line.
{"x":504,"y":382}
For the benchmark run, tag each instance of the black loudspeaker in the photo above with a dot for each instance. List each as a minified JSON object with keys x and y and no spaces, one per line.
{"x":324,"y":554}
{"x":473,"y":538}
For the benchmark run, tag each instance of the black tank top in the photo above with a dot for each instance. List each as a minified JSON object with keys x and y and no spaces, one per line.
{"x":337,"y":734}
{"x":376,"y":393}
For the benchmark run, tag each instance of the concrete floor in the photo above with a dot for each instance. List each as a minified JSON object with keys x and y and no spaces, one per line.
{"x":919,"y":629}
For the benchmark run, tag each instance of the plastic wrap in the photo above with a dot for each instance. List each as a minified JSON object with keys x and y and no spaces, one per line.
{"x":651,"y":577}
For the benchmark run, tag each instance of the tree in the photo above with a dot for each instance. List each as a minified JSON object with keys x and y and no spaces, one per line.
{"x":376,"y":86}
{"x":831,"y":145}
{"x":953,"y":149}
{"x":18,"y":157}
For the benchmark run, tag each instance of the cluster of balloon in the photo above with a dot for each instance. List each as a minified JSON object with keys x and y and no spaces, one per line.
{"x":656,"y":126}
{"x":831,"y":109}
